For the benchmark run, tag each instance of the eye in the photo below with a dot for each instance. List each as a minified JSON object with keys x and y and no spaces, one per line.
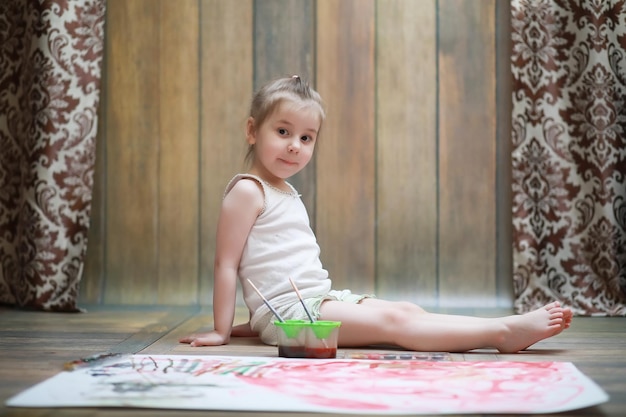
{"x":306,"y":138}
{"x":282,"y":132}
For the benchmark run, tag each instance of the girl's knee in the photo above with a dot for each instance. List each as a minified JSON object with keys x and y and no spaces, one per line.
{"x":410,"y":308}
{"x":400,"y":313}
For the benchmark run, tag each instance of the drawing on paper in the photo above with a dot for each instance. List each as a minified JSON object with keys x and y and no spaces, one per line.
{"x":305,"y":385}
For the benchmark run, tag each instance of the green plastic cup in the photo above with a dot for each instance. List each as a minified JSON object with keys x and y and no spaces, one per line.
{"x":292,"y":338}
{"x":321,"y":339}
{"x":303,"y":339}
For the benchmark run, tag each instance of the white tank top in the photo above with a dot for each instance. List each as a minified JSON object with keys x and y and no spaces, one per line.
{"x":280,"y":245}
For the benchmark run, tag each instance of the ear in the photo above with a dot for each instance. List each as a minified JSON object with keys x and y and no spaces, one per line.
{"x":250,"y":131}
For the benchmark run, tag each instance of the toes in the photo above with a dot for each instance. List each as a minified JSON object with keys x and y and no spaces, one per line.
{"x":556,"y":314}
{"x":552,"y":305}
{"x":556,"y":320}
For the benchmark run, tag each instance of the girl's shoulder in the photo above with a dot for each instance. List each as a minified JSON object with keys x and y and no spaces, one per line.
{"x":246,"y":180}
{"x":265,"y":186}
{"x":250,"y":185}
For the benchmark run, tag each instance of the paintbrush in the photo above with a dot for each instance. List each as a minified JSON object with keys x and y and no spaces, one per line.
{"x":267,"y":303}
{"x":306,"y":310}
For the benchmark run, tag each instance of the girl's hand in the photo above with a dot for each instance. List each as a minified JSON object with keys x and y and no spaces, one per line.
{"x":205,"y":339}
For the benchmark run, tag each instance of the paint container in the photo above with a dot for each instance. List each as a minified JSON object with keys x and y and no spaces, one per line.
{"x":303,"y":339}
{"x":321,"y":339}
{"x":292,"y":336}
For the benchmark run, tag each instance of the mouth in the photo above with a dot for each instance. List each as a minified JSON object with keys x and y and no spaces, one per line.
{"x":287,"y":162}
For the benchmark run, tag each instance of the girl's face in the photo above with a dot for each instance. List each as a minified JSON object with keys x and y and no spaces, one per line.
{"x":284,"y":143}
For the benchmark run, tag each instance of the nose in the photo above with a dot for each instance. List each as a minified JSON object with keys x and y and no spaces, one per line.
{"x":294,"y":145}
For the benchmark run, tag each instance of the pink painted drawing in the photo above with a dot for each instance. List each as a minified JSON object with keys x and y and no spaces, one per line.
{"x":303,"y":385}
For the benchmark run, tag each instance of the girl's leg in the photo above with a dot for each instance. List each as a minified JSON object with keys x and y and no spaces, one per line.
{"x":375,"y":321}
{"x":243,"y":330}
{"x":567,"y":316}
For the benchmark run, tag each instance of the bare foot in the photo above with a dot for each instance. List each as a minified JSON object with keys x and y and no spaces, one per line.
{"x":527,"y":329}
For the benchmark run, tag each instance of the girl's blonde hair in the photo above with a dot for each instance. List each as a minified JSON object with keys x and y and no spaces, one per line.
{"x":268,"y":97}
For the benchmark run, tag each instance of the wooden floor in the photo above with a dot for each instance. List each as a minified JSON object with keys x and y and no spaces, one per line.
{"x":34,"y":346}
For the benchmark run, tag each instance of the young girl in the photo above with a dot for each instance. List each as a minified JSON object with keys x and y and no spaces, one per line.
{"x":263,"y":235}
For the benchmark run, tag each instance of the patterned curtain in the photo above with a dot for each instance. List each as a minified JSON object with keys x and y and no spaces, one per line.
{"x":50,"y":62}
{"x":569,"y":154}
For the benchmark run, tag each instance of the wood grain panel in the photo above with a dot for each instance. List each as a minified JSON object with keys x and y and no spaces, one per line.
{"x":284,"y":44}
{"x":406,"y":150}
{"x":93,"y":279}
{"x":284,"y":39}
{"x":345,"y":163}
{"x":372,"y":190}
{"x":178,"y":232}
{"x":504,"y":109}
{"x":132,"y":151}
{"x":226,"y":91}
{"x":467,"y":152}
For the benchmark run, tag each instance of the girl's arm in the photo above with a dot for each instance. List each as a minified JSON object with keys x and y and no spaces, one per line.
{"x":240,"y":209}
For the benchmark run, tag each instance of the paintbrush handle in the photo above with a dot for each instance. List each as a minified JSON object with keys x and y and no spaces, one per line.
{"x":306,"y":310}
{"x":280,"y":319}
{"x":267,"y":303}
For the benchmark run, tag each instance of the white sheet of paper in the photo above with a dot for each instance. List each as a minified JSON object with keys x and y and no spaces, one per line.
{"x":349,"y":386}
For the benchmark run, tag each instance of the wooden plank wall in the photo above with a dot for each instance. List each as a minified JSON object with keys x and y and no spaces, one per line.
{"x":405,"y":191}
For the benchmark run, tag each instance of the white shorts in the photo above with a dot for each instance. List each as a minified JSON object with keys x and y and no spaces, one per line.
{"x":265,"y":325}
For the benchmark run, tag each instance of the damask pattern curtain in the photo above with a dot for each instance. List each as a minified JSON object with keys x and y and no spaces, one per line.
{"x":569,"y":154}
{"x":50,"y":64}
